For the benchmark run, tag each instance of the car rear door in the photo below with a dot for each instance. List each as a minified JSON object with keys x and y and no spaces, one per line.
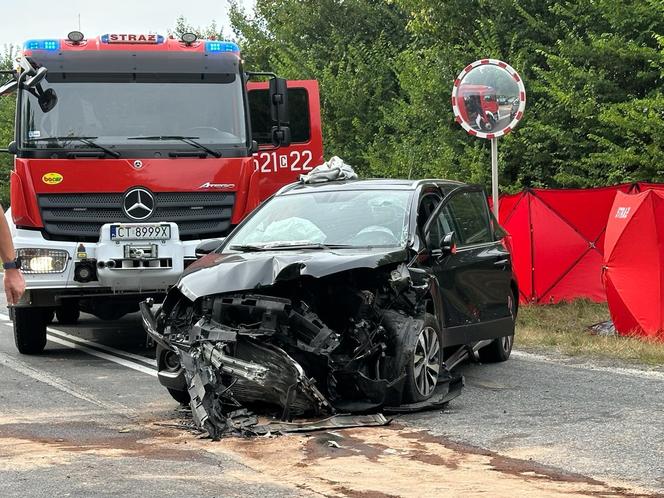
{"x":475,"y":277}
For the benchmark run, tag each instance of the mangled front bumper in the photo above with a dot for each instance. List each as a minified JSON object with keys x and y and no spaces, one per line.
{"x":226,"y":369}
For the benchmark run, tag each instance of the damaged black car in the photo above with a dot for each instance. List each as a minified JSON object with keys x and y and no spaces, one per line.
{"x":341,"y":297}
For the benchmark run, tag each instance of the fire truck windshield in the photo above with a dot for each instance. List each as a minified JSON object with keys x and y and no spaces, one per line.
{"x":115,"y":108}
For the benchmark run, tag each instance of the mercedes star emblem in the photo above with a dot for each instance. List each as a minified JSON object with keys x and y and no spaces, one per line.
{"x":138,"y":203}
{"x":138,"y":164}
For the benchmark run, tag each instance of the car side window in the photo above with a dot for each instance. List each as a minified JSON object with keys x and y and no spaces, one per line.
{"x":428,"y":205}
{"x":438,"y":229}
{"x":467,"y":215}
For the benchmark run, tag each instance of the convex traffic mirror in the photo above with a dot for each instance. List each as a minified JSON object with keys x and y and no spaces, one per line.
{"x":488,"y":98}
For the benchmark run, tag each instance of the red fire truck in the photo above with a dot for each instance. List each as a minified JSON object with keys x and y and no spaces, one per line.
{"x":130,"y":152}
{"x":479,"y":106}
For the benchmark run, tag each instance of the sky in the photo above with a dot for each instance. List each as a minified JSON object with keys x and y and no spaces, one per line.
{"x":22,"y":20}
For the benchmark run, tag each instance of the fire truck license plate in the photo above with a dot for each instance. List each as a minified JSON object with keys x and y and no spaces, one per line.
{"x":140,"y":232}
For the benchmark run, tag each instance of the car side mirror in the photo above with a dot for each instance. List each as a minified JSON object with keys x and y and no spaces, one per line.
{"x":208,"y":246}
{"x":448,"y":244}
{"x":445,"y":247}
{"x":278,"y":93}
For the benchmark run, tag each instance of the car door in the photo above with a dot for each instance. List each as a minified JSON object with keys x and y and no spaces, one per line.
{"x":474,"y":278}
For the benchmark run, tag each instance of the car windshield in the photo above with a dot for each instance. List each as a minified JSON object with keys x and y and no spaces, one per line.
{"x":349,"y":218}
{"x":137,"y":111}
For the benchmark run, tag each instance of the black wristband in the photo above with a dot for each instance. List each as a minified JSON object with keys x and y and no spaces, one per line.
{"x":12,"y":265}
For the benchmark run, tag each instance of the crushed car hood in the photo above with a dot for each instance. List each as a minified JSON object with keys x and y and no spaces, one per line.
{"x":231,"y":272}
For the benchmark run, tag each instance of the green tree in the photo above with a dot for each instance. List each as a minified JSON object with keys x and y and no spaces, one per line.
{"x":593,"y":71}
{"x":209,"y":32}
{"x":7,"y":109}
{"x":349,"y":46}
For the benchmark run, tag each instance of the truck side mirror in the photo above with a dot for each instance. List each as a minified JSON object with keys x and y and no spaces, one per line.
{"x":47,"y":100}
{"x":11,"y":148}
{"x":279,"y":112}
{"x":33,"y":81}
{"x":8,"y":87}
{"x":208,"y":246}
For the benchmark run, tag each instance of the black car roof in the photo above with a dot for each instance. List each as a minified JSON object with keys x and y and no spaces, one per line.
{"x":371,"y":184}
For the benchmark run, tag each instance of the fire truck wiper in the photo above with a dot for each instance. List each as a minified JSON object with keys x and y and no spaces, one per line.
{"x":85,"y":140}
{"x":188,"y":140}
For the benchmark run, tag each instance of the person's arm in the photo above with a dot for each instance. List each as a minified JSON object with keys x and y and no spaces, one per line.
{"x":13,"y":279}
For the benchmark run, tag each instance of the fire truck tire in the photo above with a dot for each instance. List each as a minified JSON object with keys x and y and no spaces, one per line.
{"x":68,"y":314}
{"x":30,"y":329}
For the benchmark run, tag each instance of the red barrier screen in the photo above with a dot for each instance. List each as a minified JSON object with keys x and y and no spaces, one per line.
{"x":633,"y":263}
{"x":557,"y":239}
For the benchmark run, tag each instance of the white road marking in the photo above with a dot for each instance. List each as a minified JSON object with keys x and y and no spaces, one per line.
{"x":106,"y":356}
{"x":63,"y":385}
{"x":587,"y":365}
{"x":109,"y":349}
{"x":60,"y":338}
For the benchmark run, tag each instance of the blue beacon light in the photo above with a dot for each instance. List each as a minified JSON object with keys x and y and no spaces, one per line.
{"x":42,"y":45}
{"x":221,"y":46}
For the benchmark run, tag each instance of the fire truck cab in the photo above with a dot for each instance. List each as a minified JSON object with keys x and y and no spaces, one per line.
{"x":132,"y":150}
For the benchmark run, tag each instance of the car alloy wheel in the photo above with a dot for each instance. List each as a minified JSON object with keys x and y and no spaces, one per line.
{"x":426,"y":361}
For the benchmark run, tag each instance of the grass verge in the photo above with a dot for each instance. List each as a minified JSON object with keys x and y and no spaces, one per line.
{"x":564,"y":328}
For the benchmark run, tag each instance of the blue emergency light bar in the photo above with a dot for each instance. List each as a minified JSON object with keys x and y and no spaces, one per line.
{"x":221,"y":46}
{"x":42,"y":45}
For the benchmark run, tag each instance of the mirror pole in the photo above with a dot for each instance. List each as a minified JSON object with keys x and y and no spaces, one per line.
{"x":494,"y":176}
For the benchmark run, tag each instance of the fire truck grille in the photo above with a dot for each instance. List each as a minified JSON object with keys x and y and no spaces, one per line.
{"x":79,"y":217}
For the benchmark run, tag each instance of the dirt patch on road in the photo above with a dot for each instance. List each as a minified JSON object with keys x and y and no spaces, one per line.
{"x":26,"y":446}
{"x":395,"y":461}
{"x":358,"y":463}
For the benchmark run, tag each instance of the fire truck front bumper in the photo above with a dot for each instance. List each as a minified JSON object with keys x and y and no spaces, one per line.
{"x":146,"y":257}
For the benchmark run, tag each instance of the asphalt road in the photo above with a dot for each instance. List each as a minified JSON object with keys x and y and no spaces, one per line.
{"x":89,"y":418}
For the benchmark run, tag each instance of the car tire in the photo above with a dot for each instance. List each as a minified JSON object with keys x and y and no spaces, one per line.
{"x":500,"y":348}
{"x":166,"y":363}
{"x":181,"y":397}
{"x":68,"y":314}
{"x":30,"y":329}
{"x":424,"y":363}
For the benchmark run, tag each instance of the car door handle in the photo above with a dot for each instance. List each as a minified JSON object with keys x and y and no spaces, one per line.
{"x":501,"y":262}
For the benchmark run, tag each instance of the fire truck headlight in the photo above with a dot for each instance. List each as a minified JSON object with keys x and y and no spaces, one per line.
{"x":75,"y":36}
{"x":37,"y":260}
{"x":188,"y":38}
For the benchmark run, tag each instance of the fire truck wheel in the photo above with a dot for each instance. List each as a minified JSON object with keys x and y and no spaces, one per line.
{"x":68,"y":314}
{"x":30,"y":329}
